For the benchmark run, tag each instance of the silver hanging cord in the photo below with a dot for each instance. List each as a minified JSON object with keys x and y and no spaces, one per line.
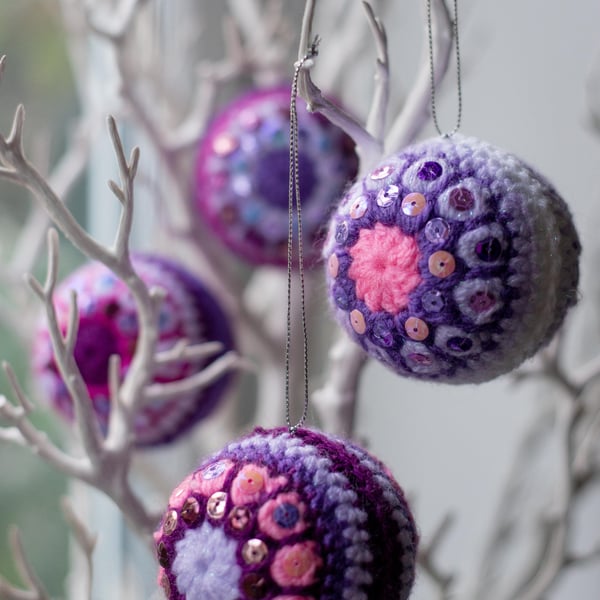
{"x":294,"y":192}
{"x":432,"y":74}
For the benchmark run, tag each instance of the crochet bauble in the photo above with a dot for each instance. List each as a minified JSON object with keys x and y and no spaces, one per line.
{"x":242,"y":173}
{"x":108,"y":325}
{"x":452,"y":261}
{"x":283,"y":516}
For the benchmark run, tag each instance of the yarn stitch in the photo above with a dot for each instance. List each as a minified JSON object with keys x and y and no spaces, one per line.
{"x":488,"y":279}
{"x":325,"y":521}
{"x":108,"y":325}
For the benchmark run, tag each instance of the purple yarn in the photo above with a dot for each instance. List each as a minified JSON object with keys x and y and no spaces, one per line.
{"x":327,"y":500}
{"x":242,"y":174}
{"x":497,"y":264}
{"x":108,"y":325}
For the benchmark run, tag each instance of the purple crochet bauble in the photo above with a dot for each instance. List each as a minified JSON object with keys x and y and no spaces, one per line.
{"x":276,"y":516}
{"x":452,"y":261}
{"x":108,"y":325}
{"x":242,"y":175}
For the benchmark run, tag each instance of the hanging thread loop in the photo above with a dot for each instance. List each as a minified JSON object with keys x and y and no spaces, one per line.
{"x":432,"y":73}
{"x":294,"y":195}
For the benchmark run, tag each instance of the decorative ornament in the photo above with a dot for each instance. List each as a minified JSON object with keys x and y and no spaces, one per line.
{"x":108,"y":325}
{"x":242,"y":175}
{"x":287,"y":516}
{"x":452,"y":261}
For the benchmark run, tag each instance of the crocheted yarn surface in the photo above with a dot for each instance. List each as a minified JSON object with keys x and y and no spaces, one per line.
{"x":242,"y":174}
{"x":108,"y":325}
{"x":452,"y":261}
{"x":287,"y":517}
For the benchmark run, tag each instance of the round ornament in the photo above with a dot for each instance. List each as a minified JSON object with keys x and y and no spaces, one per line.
{"x":282,"y":516}
{"x":242,"y":175}
{"x":452,"y":261}
{"x":108,"y":325}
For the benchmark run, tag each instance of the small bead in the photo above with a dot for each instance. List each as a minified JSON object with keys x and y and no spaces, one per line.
{"x":224,"y":145}
{"x":170,"y":522}
{"x":429,"y":171}
{"x":239,"y":517}
{"x":437,"y":230}
{"x":416,"y":329}
{"x":433,"y":301}
{"x":441,"y":264}
{"x":388,"y":195}
{"x":357,"y":320}
{"x":254,"y":551}
{"x":254,"y":586}
{"x":334,"y":265}
{"x":381,"y":172}
{"x":461,"y":199}
{"x":413,"y":204}
{"x":358,"y":208}
{"x":489,"y":249}
{"x":215,"y":507}
{"x":190,"y":511}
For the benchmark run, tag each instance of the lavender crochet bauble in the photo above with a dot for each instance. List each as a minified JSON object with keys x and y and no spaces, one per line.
{"x":108,"y":325}
{"x":277,"y":516}
{"x":242,"y":175}
{"x":452,"y":261}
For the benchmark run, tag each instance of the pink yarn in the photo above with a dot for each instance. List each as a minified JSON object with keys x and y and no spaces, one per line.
{"x":384,"y":268}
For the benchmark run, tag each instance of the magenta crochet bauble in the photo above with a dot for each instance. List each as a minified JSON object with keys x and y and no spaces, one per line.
{"x":108,"y":325}
{"x":452,"y":261}
{"x":242,"y":174}
{"x":277,"y":516}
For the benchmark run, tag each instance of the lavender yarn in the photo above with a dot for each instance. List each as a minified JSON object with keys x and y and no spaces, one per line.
{"x":242,"y":173}
{"x":281,"y":517}
{"x":108,"y":325}
{"x":487,"y":270}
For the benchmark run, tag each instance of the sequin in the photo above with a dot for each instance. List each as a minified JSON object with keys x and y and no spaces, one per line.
{"x":441,"y":264}
{"x":239,"y":517}
{"x":422,"y":360}
{"x":437,"y":230}
{"x":382,"y":334}
{"x":481,"y":301}
{"x":254,"y":586}
{"x":215,"y":507}
{"x":413,"y":204}
{"x":166,"y":585}
{"x":162,"y":554}
{"x":357,"y":320}
{"x":461,"y":199}
{"x":190,"y":510}
{"x":286,"y":515}
{"x":387,"y":196}
{"x":170,"y":522}
{"x":489,"y":249}
{"x":433,"y":301}
{"x":358,"y":208}
{"x":416,"y":329}
{"x":254,"y":551}
{"x":429,"y":171}
{"x":459,"y":344}
{"x":341,"y":232}
{"x":215,"y":470}
{"x":225,"y":144}
{"x":341,"y":298}
{"x":333,"y":264}
{"x":381,"y":172}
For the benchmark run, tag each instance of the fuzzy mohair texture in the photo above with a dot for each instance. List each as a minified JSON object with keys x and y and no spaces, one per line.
{"x":280,"y":516}
{"x":242,"y":173}
{"x":452,"y":261}
{"x":108,"y":325}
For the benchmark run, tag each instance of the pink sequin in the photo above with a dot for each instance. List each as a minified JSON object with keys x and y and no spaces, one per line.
{"x":251,"y":482}
{"x":296,"y":565}
{"x":385,"y":268}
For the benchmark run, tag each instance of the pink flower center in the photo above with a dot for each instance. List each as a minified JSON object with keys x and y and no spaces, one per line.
{"x":385,"y":268}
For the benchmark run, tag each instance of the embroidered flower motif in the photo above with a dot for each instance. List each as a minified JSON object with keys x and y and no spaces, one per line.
{"x":211,"y":479}
{"x":251,"y":482}
{"x":296,"y":564}
{"x":282,"y":516}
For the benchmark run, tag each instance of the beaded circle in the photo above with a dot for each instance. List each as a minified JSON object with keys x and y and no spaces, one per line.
{"x":242,"y":174}
{"x":281,"y":517}
{"x":108,"y":325}
{"x":452,"y":261}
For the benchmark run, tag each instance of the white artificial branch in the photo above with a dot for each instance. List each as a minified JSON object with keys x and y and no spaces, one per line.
{"x":182,"y":350}
{"x":416,"y":110}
